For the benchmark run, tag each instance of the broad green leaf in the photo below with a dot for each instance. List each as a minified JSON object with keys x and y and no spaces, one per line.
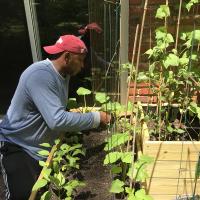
{"x":129,"y":190}
{"x":169,"y":38}
{"x":43,"y":152}
{"x":101,"y":97}
{"x":149,"y":52}
{"x":115,"y":106}
{"x":112,"y":157}
{"x":76,"y":146}
{"x":78,"y":151}
{"x":146,"y":159}
{"x":162,"y":12}
{"x":116,"y":140}
{"x":180,"y":131}
{"x":132,"y":197}
{"x":116,"y":170}
{"x":151,"y":69}
{"x":57,"y":141}
{"x":174,"y":51}
{"x":83,"y":91}
{"x":170,"y":129}
{"x":183,"y":36}
{"x":46,"y":172}
{"x":127,"y":66}
{"x":127,"y":157}
{"x":190,"y":4}
{"x":196,"y":35}
{"x":194,"y":57}
{"x":65,"y":147}
{"x":46,"y":196}
{"x":160,"y":35}
{"x":61,"y":178}
{"x":39,"y":184}
{"x":142,"y":76}
{"x":76,"y":183}
{"x":42,"y":163}
{"x":141,"y":195}
{"x":117,"y":186}
{"x":171,"y":60}
{"x":45,"y":145}
{"x":183,"y":61}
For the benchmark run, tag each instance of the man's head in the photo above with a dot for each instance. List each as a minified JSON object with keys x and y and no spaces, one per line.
{"x":71,"y":51}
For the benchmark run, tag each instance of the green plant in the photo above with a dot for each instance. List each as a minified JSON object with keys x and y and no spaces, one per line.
{"x":57,"y":178}
{"x":120,"y":152}
{"x":173,"y":73}
{"x":100,"y":98}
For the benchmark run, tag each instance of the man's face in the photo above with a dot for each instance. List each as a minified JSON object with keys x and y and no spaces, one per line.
{"x":75,"y":63}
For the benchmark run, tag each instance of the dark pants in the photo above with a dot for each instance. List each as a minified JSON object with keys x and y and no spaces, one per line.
{"x":20,"y":171}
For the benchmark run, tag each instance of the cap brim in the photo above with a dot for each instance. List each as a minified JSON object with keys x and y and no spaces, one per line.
{"x":52,"y":49}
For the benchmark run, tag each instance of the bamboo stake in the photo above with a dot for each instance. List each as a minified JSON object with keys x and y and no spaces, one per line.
{"x":139,"y":48}
{"x":131,"y":71}
{"x":135,"y":82}
{"x":167,"y":3}
{"x":178,"y":24}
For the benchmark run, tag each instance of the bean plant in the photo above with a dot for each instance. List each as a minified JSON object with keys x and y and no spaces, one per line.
{"x":173,"y":74}
{"x":58,"y":180}
{"x":128,"y":169}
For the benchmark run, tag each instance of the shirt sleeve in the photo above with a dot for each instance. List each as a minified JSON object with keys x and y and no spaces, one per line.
{"x":43,"y":90}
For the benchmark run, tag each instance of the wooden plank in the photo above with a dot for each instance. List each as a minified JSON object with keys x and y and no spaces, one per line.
{"x":173,"y":170}
{"x":169,"y":197}
{"x":172,"y":150}
{"x":173,"y":146}
{"x":161,"y":186}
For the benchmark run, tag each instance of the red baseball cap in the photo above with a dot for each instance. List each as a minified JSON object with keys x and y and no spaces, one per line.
{"x":68,"y":43}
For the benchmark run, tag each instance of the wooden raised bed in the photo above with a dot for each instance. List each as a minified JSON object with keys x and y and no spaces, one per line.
{"x":172,"y":174}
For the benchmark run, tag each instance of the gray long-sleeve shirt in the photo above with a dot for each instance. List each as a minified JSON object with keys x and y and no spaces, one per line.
{"x":37,"y":111}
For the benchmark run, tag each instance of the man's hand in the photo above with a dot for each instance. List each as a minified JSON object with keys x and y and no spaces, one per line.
{"x":105,"y":118}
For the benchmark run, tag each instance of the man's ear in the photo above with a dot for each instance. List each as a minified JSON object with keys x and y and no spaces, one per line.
{"x":67,"y":56}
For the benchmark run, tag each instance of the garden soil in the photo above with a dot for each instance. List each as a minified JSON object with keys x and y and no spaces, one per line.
{"x":96,"y":176}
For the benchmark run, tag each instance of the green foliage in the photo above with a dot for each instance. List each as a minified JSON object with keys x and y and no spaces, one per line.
{"x":171,"y":60}
{"x":117,"y":186}
{"x":39,"y":184}
{"x":139,"y":195}
{"x":194,"y":109}
{"x":101,"y":97}
{"x":191,"y":3}
{"x":83,"y":91}
{"x":56,"y":175}
{"x":138,"y":171}
{"x":163,"y":12}
{"x":116,"y":140}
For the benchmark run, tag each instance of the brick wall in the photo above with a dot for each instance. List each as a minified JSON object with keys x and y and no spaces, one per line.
{"x":135,"y":17}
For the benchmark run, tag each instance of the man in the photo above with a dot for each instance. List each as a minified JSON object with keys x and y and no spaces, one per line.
{"x":37,"y":115}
